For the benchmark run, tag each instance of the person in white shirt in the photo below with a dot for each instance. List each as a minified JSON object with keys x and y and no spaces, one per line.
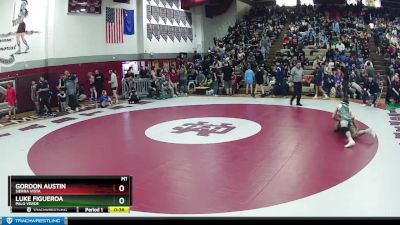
{"x":393,"y":40}
{"x":371,"y":25}
{"x":114,"y":84}
{"x":368,"y":61}
{"x":340,"y":46}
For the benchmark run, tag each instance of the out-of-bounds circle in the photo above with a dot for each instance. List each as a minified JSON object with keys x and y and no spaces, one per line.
{"x":296,"y":154}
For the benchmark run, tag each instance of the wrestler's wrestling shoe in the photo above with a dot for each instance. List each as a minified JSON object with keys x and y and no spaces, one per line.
{"x":371,"y":132}
{"x":350,"y":144}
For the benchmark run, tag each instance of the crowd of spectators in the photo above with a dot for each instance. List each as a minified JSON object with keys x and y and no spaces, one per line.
{"x":386,"y":31}
{"x":240,"y":59}
{"x":222,"y":69}
{"x":69,"y":92}
{"x":347,"y":68}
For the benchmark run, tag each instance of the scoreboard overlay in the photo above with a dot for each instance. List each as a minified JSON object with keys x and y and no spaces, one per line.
{"x":70,"y":194}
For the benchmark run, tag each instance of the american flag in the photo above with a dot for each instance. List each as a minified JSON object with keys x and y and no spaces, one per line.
{"x":114,"y":25}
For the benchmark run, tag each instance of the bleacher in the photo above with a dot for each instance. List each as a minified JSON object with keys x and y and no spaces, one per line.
{"x":311,"y":54}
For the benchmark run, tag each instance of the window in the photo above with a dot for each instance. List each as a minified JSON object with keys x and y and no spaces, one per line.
{"x":352,"y":2}
{"x":294,"y":2}
{"x":307,"y":2}
{"x":371,"y":3}
{"x":286,"y":2}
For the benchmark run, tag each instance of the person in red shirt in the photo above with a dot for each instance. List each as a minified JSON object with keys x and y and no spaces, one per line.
{"x":285,"y":41}
{"x":295,"y":40}
{"x":174,"y":79}
{"x":11,"y":97}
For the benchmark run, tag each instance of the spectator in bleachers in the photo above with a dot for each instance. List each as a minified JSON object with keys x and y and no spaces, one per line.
{"x":336,"y":27}
{"x":395,"y":89}
{"x":370,"y":70}
{"x":142,"y":72}
{"x":201,"y":79}
{"x":165,"y":86}
{"x":164,"y":71}
{"x":174,"y":77}
{"x":330,"y":54}
{"x":81,"y":96}
{"x":339,"y":83}
{"x":251,"y":59}
{"x":344,"y":68}
{"x":192,"y":73}
{"x":340,"y":46}
{"x":183,"y":79}
{"x":153,"y":90}
{"x":355,"y":90}
{"x":371,"y":89}
{"x":129,"y":73}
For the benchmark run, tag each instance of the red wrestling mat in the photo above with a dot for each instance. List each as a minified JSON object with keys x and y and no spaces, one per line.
{"x":208,"y":159}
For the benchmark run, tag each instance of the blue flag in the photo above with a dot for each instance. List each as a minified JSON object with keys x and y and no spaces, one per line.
{"x":129,"y":22}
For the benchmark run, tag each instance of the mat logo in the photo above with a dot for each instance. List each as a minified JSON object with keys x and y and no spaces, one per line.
{"x":204,"y":128}
{"x":9,"y":220}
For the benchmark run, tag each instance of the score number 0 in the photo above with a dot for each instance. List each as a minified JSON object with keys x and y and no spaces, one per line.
{"x":121,"y":200}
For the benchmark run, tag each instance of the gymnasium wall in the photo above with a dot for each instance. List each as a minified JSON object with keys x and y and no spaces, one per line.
{"x":153,"y":46}
{"x":60,"y":38}
{"x":218,"y":25}
{"x":242,"y":8}
{"x":60,"y":41}
{"x":76,"y":35}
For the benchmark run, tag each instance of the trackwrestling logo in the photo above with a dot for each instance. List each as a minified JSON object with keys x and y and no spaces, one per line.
{"x":204,"y":130}
{"x":33,"y":220}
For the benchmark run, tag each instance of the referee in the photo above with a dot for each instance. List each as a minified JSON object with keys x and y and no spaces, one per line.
{"x":297,"y":74}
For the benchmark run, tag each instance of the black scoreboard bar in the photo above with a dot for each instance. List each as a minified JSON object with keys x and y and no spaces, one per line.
{"x":70,"y":194}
